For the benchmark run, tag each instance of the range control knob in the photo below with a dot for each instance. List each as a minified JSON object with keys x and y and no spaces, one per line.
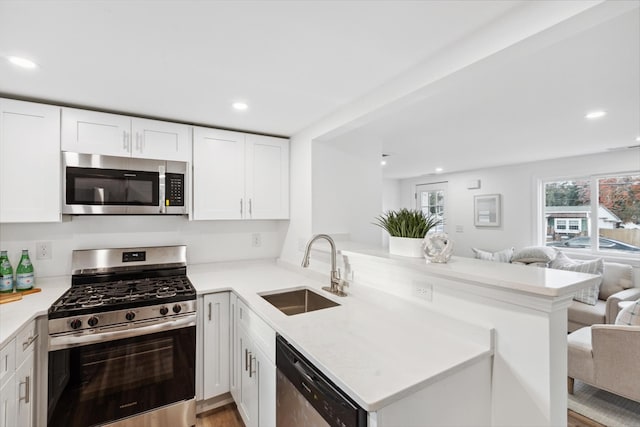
{"x":177,"y":308}
{"x":93,"y":321}
{"x":75,"y":323}
{"x":130,"y":315}
{"x":164,"y":311}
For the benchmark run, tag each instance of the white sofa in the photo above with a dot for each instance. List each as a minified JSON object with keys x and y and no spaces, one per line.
{"x":617,"y":285}
{"x":617,"y":282}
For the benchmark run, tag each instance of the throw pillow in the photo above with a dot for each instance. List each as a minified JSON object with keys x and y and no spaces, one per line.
{"x":630,"y":315}
{"x":500,"y":256}
{"x":534,"y":254}
{"x":616,"y":277}
{"x":588,"y":295}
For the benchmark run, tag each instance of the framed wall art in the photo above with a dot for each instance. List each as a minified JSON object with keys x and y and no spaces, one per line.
{"x":486,"y":210}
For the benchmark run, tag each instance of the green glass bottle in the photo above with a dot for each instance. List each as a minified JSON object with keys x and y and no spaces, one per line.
{"x":6,"y":273}
{"x":24,"y":273}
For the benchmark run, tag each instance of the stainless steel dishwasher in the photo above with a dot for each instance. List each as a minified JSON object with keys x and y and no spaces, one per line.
{"x":305,"y":397}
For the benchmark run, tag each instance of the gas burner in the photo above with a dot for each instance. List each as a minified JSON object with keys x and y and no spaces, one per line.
{"x":91,"y":301}
{"x":165,"y":292}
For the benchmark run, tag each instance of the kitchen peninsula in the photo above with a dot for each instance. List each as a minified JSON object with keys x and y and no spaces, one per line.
{"x":402,"y":360}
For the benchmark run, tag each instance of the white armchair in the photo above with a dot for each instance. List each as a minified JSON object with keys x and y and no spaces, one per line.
{"x":606,"y":356}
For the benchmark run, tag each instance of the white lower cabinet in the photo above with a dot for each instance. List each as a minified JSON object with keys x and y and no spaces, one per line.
{"x":215,"y":348}
{"x":17,"y":379}
{"x":255,"y":368}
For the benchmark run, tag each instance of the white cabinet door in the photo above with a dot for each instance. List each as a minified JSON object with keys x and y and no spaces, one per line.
{"x":234,"y":351}
{"x":267,"y":177}
{"x":218,"y":174}
{"x":93,"y":132}
{"x":29,"y":162}
{"x":154,"y":139}
{"x":8,"y":414}
{"x":216,"y":344}
{"x":24,"y":386}
{"x":248,"y":382}
{"x":266,"y":372}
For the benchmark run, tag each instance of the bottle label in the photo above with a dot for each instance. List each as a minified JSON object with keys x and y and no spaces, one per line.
{"x":6,"y":283}
{"x":24,"y":281}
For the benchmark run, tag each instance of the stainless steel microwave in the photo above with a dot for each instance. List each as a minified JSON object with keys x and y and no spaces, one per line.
{"x":105,"y":185}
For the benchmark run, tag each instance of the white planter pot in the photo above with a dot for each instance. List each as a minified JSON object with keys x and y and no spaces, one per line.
{"x":406,"y":246}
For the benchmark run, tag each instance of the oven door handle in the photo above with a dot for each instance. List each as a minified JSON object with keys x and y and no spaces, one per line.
{"x":66,"y":341}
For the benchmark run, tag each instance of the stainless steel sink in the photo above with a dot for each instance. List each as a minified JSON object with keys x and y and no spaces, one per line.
{"x":298,"y":301}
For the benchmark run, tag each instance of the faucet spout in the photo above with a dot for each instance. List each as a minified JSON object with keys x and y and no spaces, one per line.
{"x":335,"y":275}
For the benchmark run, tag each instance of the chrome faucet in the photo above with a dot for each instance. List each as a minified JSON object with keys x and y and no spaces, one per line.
{"x":336,"y":283}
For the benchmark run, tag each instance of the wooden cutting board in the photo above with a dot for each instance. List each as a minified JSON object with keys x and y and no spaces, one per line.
{"x":17,"y":296}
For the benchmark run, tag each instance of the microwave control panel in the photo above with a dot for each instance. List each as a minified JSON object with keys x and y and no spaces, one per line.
{"x":174,"y":189}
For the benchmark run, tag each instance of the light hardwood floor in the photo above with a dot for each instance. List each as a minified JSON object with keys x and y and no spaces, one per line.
{"x":228,"y":416}
{"x":225,"y":416}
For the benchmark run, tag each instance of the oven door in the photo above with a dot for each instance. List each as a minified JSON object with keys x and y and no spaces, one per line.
{"x":106,"y":381}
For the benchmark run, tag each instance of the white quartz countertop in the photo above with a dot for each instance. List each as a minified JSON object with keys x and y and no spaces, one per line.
{"x":541,"y":281}
{"x":376,"y":347}
{"x":14,"y":315}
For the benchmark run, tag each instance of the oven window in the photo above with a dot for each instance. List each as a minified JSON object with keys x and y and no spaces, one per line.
{"x":103,"y":382}
{"x":90,"y":186}
{"x":126,"y":367}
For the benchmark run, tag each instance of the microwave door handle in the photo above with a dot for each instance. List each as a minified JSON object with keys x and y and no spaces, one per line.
{"x":162,"y":178}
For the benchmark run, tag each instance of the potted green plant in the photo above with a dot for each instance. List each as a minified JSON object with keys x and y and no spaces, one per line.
{"x":406,"y":228}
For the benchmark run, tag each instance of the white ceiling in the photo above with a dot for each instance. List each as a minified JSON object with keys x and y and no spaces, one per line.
{"x":297,"y":62}
{"x":524,"y":104}
{"x":293,"y":62}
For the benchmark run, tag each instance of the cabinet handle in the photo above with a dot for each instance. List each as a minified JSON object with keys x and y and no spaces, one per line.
{"x":240,"y":207}
{"x":250,"y":204}
{"x":142,"y":143}
{"x":137,"y":141}
{"x":124,"y":139}
{"x":251,"y":371}
{"x":28,"y":342}
{"x":209,"y":311}
{"x":27,"y":389}
{"x":246,"y":359}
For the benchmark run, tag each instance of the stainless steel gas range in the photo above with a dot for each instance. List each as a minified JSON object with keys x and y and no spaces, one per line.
{"x":122,"y":341}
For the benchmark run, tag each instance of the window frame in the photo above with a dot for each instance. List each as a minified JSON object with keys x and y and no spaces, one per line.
{"x":594,"y":249}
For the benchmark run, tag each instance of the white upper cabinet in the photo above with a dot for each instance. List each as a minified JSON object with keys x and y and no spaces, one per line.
{"x":154,"y":139}
{"x":92,"y":132}
{"x":218,"y":174}
{"x":108,"y":134}
{"x":29,"y":162}
{"x":239,"y":176}
{"x":267,"y":177}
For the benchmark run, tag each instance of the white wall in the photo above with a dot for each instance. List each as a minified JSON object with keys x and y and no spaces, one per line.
{"x":518,"y":186}
{"x":347,"y":189}
{"x":207,"y":241}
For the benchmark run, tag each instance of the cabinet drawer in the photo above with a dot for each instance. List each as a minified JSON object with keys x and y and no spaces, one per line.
{"x":7,"y":361}
{"x":25,"y":341}
{"x":262,"y":333}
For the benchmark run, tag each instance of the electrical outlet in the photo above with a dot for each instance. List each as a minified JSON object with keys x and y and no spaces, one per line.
{"x":459,"y":229}
{"x":43,"y":250}
{"x":423,"y":291}
{"x":256,"y":240}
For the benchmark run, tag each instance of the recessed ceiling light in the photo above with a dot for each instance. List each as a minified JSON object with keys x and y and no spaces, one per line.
{"x":637,"y":138}
{"x":439,"y":169}
{"x":21,"y":62}
{"x":595,"y":114}
{"x":383,"y":162}
{"x":240,"y":106}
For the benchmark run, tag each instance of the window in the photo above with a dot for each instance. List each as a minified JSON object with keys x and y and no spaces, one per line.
{"x":430,"y":198}
{"x":573,"y":217}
